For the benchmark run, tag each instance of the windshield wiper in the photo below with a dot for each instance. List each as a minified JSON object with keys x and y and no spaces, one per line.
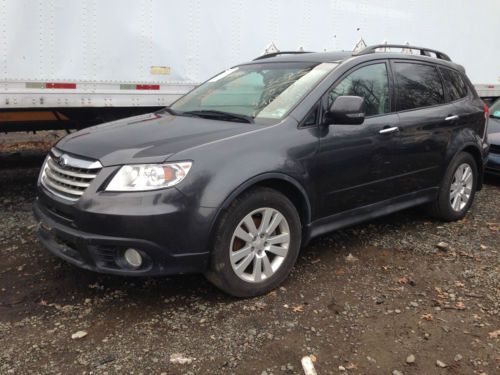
{"x":167,"y":109}
{"x":218,"y":115}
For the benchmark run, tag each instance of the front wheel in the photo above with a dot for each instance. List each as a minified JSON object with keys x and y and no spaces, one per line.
{"x":256,"y":243}
{"x":457,"y":190}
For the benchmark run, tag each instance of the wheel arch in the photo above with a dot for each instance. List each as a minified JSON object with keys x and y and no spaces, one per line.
{"x":466,"y":140}
{"x":475,"y":152}
{"x":282,"y":183}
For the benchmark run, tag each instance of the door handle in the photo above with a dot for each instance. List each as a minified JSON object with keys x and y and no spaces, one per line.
{"x":451,"y":117}
{"x":390,"y":130}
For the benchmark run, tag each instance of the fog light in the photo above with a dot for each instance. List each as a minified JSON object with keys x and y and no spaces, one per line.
{"x":133,"y":257}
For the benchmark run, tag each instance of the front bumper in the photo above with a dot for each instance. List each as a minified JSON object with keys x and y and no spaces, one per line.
{"x":171,"y":234}
{"x":493,"y":164}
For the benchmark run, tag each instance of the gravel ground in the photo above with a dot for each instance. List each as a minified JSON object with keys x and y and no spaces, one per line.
{"x":377,"y":298}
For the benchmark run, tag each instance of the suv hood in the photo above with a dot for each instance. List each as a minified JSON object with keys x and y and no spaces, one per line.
{"x":150,"y":138}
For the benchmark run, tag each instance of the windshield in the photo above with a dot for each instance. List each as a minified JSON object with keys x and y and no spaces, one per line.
{"x":495,"y":109}
{"x":255,"y":91}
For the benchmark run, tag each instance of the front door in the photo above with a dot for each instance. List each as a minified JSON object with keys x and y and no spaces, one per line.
{"x":356,"y":160}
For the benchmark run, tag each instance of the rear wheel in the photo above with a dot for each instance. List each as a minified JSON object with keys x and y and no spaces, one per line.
{"x":256,"y":243}
{"x":457,"y":191}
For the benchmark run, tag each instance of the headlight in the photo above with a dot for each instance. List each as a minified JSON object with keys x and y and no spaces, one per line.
{"x":140,"y":177}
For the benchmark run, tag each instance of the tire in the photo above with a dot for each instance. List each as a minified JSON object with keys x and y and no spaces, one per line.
{"x":238,"y":273}
{"x":445,"y":207}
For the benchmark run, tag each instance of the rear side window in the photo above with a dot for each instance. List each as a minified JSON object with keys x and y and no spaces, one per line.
{"x":418,"y":86}
{"x":454,"y":84}
{"x":369,"y":82}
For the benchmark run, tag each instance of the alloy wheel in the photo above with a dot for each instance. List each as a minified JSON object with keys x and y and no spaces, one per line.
{"x":461,"y":187}
{"x":259,"y":245}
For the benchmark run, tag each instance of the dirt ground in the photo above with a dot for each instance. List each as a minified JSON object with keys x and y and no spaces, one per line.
{"x":377,"y":298}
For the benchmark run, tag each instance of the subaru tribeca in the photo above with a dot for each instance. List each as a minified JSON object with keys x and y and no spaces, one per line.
{"x":240,"y":173}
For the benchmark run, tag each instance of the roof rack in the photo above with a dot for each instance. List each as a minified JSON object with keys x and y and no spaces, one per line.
{"x":274,"y":54}
{"x":423,"y":51}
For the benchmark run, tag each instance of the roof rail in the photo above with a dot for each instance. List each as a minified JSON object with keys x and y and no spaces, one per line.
{"x":273,"y":54}
{"x":423,"y":51}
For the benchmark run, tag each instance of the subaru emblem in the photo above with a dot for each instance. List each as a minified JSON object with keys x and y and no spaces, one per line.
{"x":63,"y":161}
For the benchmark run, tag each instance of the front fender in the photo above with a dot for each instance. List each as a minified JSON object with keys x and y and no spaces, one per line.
{"x":275,"y":176}
{"x":264,"y":177}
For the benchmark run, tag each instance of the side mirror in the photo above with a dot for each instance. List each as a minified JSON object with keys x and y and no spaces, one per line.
{"x":347,"y":110}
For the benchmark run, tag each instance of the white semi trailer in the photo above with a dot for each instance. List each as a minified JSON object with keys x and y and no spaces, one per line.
{"x":73,"y":63}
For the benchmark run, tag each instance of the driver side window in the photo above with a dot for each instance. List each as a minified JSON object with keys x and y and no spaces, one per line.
{"x":369,"y":82}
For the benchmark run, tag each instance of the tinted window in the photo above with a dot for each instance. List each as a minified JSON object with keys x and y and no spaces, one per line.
{"x":455,"y":86}
{"x":369,"y":82}
{"x":418,"y":85}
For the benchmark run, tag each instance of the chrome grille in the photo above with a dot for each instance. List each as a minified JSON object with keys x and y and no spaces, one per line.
{"x":67,"y":176}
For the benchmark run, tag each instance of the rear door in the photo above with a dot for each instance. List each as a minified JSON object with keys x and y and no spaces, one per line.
{"x":425,"y":121}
